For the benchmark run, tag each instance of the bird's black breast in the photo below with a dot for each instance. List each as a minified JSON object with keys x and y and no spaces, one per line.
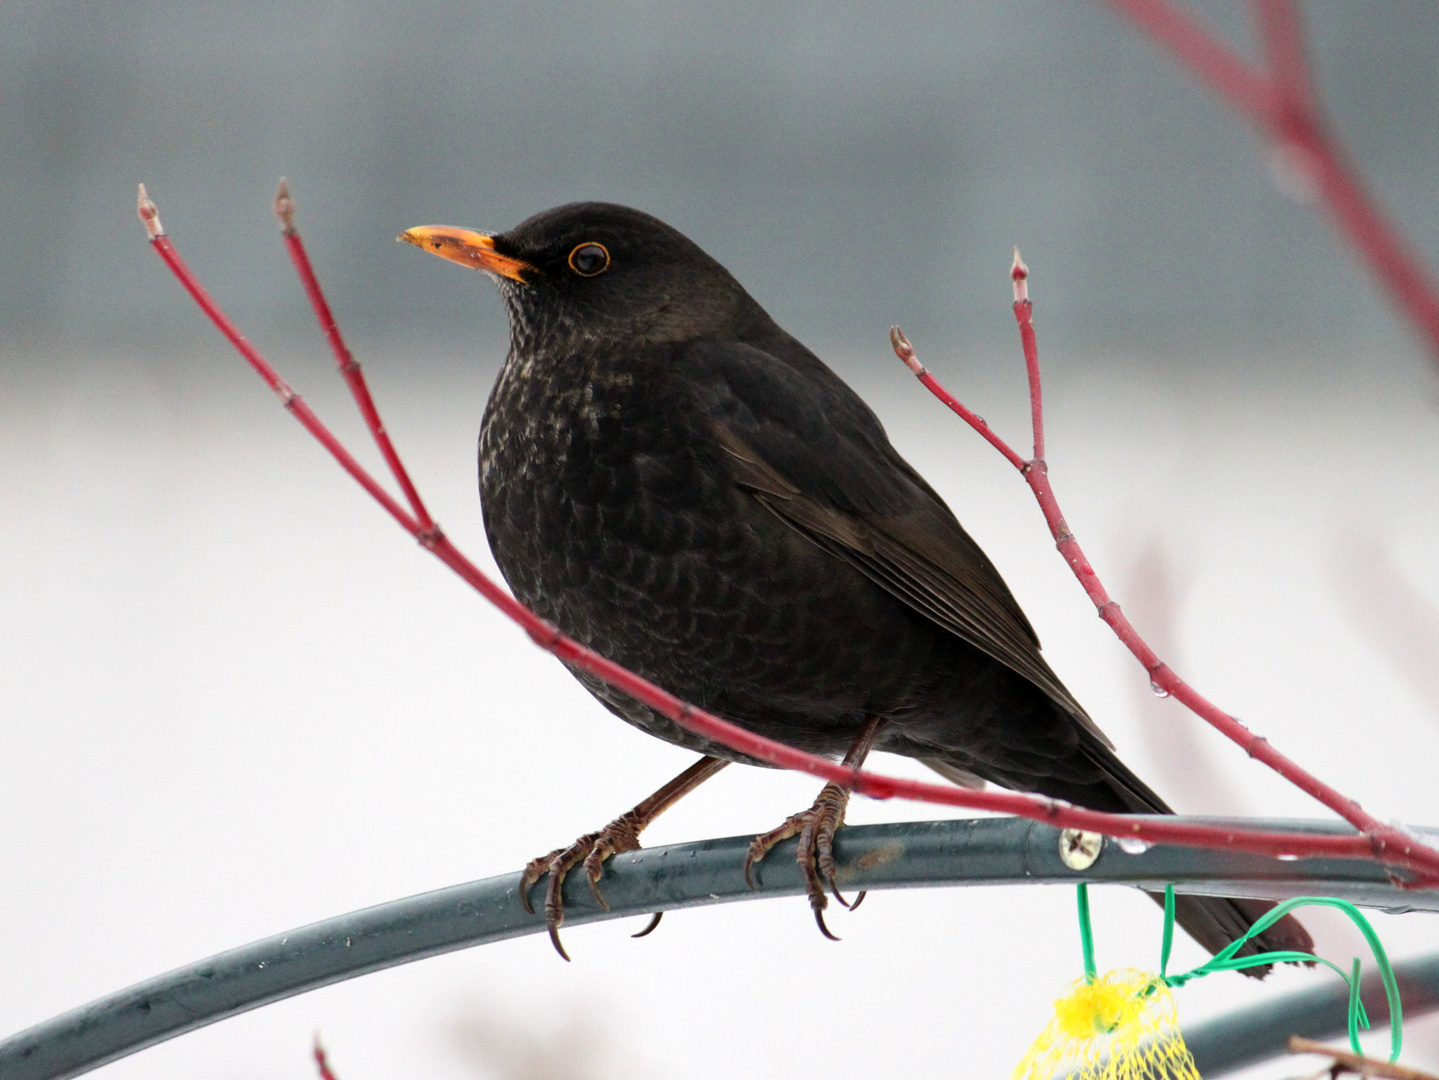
{"x":611,"y":510}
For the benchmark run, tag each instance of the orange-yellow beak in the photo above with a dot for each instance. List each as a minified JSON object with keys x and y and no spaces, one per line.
{"x":472,"y":249}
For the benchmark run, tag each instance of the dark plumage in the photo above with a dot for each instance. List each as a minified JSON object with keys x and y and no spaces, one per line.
{"x":678,"y":483}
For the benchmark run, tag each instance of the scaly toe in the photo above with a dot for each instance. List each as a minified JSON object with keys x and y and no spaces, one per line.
{"x":555,"y":905}
{"x":595,"y":866}
{"x":817,"y":839}
{"x":824,"y":857}
{"x":534,"y":870}
{"x":760,"y":846}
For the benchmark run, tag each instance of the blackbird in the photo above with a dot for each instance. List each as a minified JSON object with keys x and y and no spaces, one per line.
{"x":679,"y":484}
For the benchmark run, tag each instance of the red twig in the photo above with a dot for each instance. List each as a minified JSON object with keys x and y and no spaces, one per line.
{"x":1162,"y":677}
{"x":1216,"y":65}
{"x":322,"y":1063}
{"x":1019,"y":274}
{"x":1411,"y":857}
{"x":1282,"y":33}
{"x":1281,"y":103}
{"x":291,"y":400}
{"x":905,"y":352}
{"x":284,"y":207}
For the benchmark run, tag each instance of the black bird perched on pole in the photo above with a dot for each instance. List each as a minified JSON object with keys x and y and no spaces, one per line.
{"x":679,"y":484}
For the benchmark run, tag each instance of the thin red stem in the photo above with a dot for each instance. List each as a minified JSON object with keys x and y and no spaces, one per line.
{"x":1036,"y":474}
{"x":1281,"y":103}
{"x":1409,"y":282}
{"x":1215,"y":64}
{"x":322,"y":1063}
{"x":344,"y":359}
{"x":1415,"y":859}
{"x":291,"y":400}
{"x":1282,"y":34}
{"x":1023,"y":313}
{"x":905,"y":352}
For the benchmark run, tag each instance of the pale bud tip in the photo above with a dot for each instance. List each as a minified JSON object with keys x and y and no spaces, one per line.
{"x":904,"y":350}
{"x":284,"y":207}
{"x":1019,"y":274}
{"x":150,"y":215}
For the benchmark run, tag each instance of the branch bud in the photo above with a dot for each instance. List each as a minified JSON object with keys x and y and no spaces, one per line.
{"x":1019,"y":273}
{"x":904,"y":350}
{"x":284,"y":207}
{"x":150,"y":215}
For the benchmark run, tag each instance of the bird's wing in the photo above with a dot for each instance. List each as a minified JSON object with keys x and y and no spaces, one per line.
{"x":813,"y":453}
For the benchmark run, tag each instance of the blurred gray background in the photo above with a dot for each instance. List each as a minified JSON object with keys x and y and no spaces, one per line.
{"x":234,"y":698}
{"x":855,"y":163}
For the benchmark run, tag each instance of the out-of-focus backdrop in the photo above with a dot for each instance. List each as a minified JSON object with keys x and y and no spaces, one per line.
{"x":235,"y":699}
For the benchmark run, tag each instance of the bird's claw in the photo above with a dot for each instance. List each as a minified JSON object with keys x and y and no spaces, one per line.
{"x":534,"y":870}
{"x":591,"y":850}
{"x":816,"y":828}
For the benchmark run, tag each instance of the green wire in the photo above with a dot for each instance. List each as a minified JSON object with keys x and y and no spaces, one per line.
{"x":1168,"y":943}
{"x":1086,"y":935}
{"x":1226,"y":960}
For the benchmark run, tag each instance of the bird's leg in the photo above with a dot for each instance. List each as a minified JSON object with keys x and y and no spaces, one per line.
{"x":816,"y":828}
{"x":622,"y":834}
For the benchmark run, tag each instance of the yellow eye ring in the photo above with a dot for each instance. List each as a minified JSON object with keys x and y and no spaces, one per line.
{"x":589,"y":259}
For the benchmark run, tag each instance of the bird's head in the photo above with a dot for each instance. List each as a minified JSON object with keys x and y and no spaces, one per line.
{"x":598,"y":270}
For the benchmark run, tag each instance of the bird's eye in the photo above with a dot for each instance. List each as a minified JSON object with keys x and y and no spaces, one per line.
{"x":587,"y":260}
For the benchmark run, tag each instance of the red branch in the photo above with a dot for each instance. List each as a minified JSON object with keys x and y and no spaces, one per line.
{"x":1418,"y":861}
{"x":322,"y":1063}
{"x":1280,"y":102}
{"x":1162,"y":677}
{"x":349,"y":367}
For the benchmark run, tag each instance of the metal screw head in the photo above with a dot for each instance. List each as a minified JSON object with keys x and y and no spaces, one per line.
{"x":1079,"y":850}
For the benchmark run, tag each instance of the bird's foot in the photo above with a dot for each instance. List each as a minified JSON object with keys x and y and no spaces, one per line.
{"x":620,"y":835}
{"x":815,"y":828}
{"x":591,"y":850}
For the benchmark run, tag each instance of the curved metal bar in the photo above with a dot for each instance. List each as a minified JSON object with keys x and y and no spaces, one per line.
{"x":987,"y":851}
{"x":1230,"y":1043}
